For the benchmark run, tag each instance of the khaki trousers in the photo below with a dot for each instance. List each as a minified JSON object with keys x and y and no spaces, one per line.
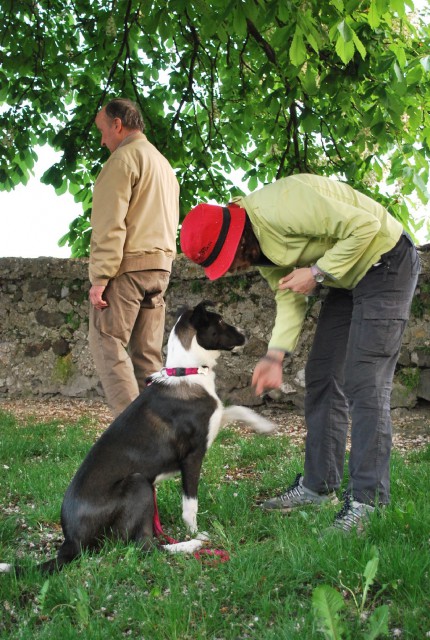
{"x":126,"y":338}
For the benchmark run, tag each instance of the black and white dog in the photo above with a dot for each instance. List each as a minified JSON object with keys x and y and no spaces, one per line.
{"x":166,"y":430}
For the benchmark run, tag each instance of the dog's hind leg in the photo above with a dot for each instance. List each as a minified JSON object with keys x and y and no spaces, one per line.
{"x":134,"y":520}
{"x":248,"y":417}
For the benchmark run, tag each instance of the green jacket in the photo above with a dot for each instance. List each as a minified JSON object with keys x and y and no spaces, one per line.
{"x":307,"y":219}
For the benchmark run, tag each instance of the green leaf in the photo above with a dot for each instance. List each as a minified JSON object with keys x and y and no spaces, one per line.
{"x":425,"y":62}
{"x":421,"y":187}
{"x":309,"y":123}
{"x":382,"y":6}
{"x":298,"y":49}
{"x":345,"y":50}
{"x":398,"y":6}
{"x":373,"y":17}
{"x":398,"y":72}
{"x":252,"y":183}
{"x":378,"y":623}
{"x":53,"y":176}
{"x":312,"y":41}
{"x":400,"y":54}
{"x":326,"y":603}
{"x":338,"y":4}
{"x":345,"y":31}
{"x":309,"y":83}
{"x":359,"y":45}
{"x":369,"y":574}
{"x":284,"y":11}
{"x":41,"y":598}
{"x":239,"y":21}
{"x":62,"y":189}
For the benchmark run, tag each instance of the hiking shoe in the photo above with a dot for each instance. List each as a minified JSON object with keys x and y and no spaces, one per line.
{"x":298,"y":496}
{"x":354,"y":516}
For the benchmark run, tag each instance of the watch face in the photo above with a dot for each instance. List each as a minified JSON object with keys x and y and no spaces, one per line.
{"x":319,"y":277}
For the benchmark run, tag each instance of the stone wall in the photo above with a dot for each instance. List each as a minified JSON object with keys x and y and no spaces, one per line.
{"x":44,"y":325}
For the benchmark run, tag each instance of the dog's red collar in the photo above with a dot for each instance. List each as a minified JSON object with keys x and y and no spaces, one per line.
{"x":167,"y":372}
{"x":183,"y":371}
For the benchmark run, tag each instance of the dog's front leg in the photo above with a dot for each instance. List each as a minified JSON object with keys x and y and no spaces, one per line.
{"x":190,"y":472}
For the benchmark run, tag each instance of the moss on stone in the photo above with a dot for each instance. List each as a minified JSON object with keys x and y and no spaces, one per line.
{"x":64,"y":369}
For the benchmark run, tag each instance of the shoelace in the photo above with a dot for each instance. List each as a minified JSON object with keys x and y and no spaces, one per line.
{"x":347,"y":516}
{"x":294,"y":489}
{"x":346,"y":507}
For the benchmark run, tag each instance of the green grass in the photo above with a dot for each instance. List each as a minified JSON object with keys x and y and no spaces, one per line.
{"x":278,"y":567}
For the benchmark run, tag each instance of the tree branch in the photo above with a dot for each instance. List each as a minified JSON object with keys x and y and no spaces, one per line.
{"x":267,"y":48}
{"x":189,"y":90}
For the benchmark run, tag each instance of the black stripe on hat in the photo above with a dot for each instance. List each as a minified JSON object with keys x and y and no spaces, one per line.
{"x":226,"y":219}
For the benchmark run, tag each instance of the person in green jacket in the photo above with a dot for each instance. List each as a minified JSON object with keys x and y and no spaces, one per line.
{"x":302,"y":231}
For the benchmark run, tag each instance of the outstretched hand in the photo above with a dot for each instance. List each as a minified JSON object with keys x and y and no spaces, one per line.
{"x":267,"y":374}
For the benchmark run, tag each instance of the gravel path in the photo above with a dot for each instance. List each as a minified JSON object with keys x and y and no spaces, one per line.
{"x":411,"y":429}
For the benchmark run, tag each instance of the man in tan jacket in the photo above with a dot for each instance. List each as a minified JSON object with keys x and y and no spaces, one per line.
{"x":134,"y":222}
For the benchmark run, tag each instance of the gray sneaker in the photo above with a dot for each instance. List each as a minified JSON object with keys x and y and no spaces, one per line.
{"x":354,"y":516}
{"x":298,"y":496}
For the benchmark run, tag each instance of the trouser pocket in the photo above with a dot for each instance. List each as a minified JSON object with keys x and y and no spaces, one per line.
{"x":382,"y":325}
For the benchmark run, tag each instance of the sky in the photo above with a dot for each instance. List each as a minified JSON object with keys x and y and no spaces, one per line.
{"x":34,"y":218}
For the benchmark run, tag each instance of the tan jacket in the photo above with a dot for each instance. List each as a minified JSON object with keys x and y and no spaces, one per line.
{"x":306,"y":219}
{"x":135,"y":212}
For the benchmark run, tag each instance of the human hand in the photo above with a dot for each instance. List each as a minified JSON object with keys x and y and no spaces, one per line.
{"x":96,"y":296}
{"x":299,"y":281}
{"x":268,"y":373}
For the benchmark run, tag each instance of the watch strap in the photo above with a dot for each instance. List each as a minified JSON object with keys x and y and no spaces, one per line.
{"x":317,"y":274}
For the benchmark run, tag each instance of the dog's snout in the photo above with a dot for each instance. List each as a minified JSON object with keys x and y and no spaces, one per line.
{"x":243,"y":334}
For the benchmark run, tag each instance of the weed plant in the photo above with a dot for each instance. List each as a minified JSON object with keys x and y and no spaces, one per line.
{"x":283,"y":580}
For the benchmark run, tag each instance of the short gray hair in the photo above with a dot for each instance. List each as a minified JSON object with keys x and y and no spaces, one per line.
{"x":127,"y":111}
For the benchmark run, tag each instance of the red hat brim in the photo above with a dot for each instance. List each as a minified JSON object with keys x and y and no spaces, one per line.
{"x":194,"y":232}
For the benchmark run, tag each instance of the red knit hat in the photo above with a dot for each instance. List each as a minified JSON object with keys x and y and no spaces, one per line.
{"x":210,"y":235}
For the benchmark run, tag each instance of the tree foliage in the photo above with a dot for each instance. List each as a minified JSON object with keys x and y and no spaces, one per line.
{"x":267,"y":87}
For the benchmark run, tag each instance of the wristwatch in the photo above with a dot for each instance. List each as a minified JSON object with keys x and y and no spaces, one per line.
{"x":317,"y":274}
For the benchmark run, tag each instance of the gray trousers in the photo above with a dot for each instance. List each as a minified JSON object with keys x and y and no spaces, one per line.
{"x":126,"y":338}
{"x":349,"y":375}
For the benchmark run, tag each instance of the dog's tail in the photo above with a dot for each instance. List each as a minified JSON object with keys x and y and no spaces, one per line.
{"x":19,"y":570}
{"x":248,"y":417}
{"x":6,"y":568}
{"x":66,"y":554}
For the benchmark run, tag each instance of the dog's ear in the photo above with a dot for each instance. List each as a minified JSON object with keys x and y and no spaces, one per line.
{"x":180,"y":311}
{"x":199,"y":314}
{"x":207,"y":303}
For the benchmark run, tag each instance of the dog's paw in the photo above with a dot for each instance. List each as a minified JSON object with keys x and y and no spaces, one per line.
{"x":203,"y":536}
{"x":190,"y":546}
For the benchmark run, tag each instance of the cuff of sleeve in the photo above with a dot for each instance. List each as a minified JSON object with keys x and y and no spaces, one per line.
{"x":100,"y":282}
{"x":282,"y":352}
